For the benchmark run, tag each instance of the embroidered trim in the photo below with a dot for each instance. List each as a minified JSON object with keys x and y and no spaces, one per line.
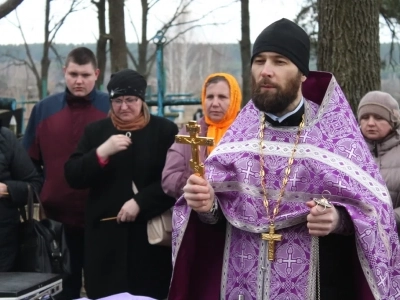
{"x":312,"y":152}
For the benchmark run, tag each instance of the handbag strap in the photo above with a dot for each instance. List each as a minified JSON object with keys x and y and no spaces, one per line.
{"x":30,"y":203}
{"x":28,"y":217}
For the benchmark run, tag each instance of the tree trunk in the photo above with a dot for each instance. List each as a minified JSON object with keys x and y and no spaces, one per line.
{"x":143,"y":45}
{"x":348,"y":45}
{"x":45,"y":61}
{"x":101,"y":49}
{"x":245,"y":52}
{"x":119,"y":59}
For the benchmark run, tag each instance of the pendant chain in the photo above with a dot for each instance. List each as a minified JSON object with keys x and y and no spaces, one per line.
{"x":287,"y":171}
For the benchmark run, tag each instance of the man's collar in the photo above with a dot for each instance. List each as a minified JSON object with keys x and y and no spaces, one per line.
{"x":284,"y":117}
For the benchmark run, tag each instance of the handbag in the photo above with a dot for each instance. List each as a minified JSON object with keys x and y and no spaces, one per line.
{"x":159,"y":229}
{"x":42,"y":244}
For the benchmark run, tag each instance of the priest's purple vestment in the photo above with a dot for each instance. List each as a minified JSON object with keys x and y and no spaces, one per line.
{"x":331,"y":156}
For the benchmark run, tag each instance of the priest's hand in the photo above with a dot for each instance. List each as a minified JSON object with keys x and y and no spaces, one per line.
{"x":128,"y":212}
{"x":199,"y":194}
{"x":320,"y":221}
{"x":114,"y":144}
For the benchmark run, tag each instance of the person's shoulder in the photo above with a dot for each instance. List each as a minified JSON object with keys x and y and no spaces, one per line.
{"x":48,"y":107}
{"x":100,"y":100}
{"x":99,"y":125}
{"x":101,"y":95}
{"x":310,"y":103}
{"x":6,"y":134}
{"x":51,"y":100}
{"x":162,"y":121}
{"x":165,"y":126}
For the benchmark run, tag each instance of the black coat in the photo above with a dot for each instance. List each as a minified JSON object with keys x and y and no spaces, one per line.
{"x":118,"y":257}
{"x":16,"y":171}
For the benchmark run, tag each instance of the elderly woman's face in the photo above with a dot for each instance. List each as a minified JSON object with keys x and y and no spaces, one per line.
{"x":217,"y":100}
{"x":127,"y":108}
{"x":374,"y":127}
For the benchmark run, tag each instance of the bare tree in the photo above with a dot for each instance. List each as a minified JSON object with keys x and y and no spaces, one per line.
{"x":8,"y":7}
{"x":145,"y":57}
{"x":50,"y":31}
{"x":118,"y":47}
{"x":245,"y":51}
{"x":348,"y":45}
{"x":101,"y":49}
{"x":389,"y":10}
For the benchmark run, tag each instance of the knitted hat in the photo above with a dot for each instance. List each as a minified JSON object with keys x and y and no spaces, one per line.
{"x":381,"y":104}
{"x":288,"y":39}
{"x":127,"y":82}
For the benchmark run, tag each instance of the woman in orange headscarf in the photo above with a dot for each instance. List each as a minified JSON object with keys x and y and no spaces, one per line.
{"x":221,"y":100}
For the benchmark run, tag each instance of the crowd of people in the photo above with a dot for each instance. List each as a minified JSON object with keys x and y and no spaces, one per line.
{"x":300,"y":198}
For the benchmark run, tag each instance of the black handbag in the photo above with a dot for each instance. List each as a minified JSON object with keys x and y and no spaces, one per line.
{"x":42,"y":244}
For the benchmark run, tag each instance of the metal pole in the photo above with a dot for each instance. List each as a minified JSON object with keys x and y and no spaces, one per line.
{"x":160,"y":40}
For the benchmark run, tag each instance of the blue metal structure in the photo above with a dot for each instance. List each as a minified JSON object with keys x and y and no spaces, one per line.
{"x":8,"y":110}
{"x":163,"y":99}
{"x":160,"y":40}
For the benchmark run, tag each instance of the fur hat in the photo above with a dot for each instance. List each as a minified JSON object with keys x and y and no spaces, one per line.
{"x":381,"y":104}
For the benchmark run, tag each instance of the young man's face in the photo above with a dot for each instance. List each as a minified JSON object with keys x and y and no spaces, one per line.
{"x":80,"y":79}
{"x":276,"y":82}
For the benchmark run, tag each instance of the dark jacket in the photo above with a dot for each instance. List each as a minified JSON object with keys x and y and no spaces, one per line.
{"x":16,"y":171}
{"x":118,"y":257}
{"x":55,"y":127}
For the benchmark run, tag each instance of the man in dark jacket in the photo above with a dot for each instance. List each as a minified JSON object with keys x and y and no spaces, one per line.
{"x":16,"y":172}
{"x":55,"y":126}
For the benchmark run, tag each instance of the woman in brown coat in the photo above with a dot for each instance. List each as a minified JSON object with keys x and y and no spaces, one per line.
{"x":379,"y":117}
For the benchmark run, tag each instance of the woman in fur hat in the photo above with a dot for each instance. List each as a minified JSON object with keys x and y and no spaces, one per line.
{"x":379,"y":117}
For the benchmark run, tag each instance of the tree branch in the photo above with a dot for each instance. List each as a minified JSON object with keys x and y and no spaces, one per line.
{"x":151,"y":4}
{"x":72,"y":8}
{"x":58,"y":56}
{"x":132,"y":58}
{"x":392,"y":29}
{"x":31,"y":64}
{"x":151,"y":60}
{"x":8,"y":7}
{"x":190,"y":28}
{"x":133,"y":25}
{"x":181,"y":10}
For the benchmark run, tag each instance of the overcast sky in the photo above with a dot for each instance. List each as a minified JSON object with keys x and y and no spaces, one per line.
{"x":81,"y":26}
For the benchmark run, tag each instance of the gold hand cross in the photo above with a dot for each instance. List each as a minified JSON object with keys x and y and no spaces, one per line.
{"x":195,"y":141}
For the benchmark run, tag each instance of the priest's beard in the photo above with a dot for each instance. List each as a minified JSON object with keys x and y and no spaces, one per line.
{"x":279,"y":99}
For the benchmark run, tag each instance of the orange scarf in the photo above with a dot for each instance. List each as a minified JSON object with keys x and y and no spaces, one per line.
{"x":217,"y":129}
{"x":138,"y":123}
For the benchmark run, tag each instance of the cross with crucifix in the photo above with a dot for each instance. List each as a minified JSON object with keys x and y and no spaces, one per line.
{"x":271,"y":237}
{"x":195,"y":141}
